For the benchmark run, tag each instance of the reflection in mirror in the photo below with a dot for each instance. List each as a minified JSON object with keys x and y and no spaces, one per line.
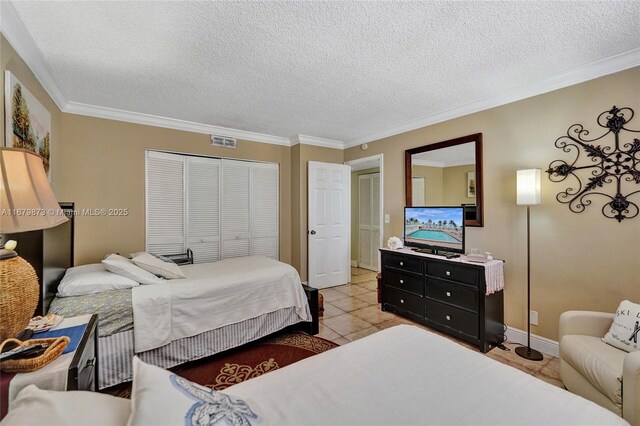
{"x":447,"y":173}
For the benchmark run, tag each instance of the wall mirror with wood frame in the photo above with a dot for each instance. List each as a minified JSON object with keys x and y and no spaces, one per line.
{"x":447,"y":173}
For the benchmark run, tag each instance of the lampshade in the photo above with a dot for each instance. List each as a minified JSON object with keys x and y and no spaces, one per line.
{"x":27,"y":202}
{"x":528,"y":187}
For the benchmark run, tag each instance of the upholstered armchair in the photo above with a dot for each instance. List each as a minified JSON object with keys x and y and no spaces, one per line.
{"x":608,"y":376}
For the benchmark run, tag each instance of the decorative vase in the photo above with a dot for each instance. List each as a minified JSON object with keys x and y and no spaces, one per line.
{"x":19,"y":290}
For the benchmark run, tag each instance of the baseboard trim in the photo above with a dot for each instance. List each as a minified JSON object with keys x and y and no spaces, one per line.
{"x":354,"y":263}
{"x":539,"y":343}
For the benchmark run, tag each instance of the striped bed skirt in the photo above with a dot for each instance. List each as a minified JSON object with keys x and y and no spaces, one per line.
{"x":116,"y":351}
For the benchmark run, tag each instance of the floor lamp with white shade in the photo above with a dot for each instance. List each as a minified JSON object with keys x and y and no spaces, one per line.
{"x":528,"y":194}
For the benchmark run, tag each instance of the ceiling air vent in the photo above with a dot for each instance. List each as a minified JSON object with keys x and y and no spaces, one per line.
{"x":224,"y":141}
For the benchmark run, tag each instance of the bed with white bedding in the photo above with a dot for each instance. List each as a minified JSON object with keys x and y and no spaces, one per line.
{"x":400,"y":376}
{"x":217,"y":306}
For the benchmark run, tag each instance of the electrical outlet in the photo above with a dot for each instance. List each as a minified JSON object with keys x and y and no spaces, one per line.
{"x":534,"y":317}
{"x":387,"y":218}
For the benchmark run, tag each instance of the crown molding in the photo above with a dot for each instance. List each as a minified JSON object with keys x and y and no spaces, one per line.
{"x":170,"y":123}
{"x":312,"y":140}
{"x":577,"y":75}
{"x":18,"y":36}
{"x":20,"y":39}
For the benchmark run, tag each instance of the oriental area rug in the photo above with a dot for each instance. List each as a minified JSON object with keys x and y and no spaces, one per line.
{"x":251,"y":360}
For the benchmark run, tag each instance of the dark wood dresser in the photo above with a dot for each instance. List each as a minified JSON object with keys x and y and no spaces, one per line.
{"x":448,"y":295}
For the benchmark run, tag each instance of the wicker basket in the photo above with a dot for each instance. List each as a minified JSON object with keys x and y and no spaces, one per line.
{"x":55,"y":345}
{"x":19,"y":289}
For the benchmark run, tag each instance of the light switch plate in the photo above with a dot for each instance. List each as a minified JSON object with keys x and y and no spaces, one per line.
{"x":534,"y":317}
{"x":387,"y":218}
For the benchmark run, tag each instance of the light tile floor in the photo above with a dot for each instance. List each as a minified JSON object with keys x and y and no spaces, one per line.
{"x":352,"y":311}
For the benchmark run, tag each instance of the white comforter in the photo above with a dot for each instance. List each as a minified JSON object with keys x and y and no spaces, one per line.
{"x":214,"y":295}
{"x":407,"y":376}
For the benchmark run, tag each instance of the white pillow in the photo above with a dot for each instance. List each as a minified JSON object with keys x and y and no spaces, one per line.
{"x":122,"y":266}
{"x":34,"y":406}
{"x":157,"y":265}
{"x":159,"y":397}
{"x":625,"y":331}
{"x":90,"y":279}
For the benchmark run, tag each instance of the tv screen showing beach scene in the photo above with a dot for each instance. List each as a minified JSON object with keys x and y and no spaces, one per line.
{"x":435,"y":227}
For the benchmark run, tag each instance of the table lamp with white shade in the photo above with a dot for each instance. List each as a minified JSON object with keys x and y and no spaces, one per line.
{"x":27,"y":203}
{"x":528,"y":194}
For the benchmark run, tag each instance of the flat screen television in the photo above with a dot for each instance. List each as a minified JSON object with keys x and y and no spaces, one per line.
{"x":435,"y":228}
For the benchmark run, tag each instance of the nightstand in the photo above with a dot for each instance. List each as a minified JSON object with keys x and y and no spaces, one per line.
{"x":77,"y":370}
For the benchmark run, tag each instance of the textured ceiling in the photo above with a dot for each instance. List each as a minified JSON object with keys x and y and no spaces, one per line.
{"x":335,"y":70}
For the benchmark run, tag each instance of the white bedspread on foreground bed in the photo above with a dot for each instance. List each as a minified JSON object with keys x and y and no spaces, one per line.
{"x":214,"y":295}
{"x":405,"y":375}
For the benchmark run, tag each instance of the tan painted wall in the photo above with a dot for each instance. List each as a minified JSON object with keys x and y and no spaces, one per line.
{"x":10,"y":61}
{"x":454,"y":184}
{"x":355,"y":217}
{"x":105,"y":168}
{"x":579,"y":261}
{"x":433,"y":187}
{"x":302,"y":154}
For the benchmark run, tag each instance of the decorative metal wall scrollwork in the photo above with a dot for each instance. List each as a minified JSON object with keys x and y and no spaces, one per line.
{"x":617,"y":164}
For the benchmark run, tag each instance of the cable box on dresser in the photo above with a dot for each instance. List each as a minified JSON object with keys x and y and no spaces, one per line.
{"x":449,"y":295}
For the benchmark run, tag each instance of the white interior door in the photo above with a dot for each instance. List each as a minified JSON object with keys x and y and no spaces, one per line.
{"x":417,"y":191}
{"x":329,"y":224}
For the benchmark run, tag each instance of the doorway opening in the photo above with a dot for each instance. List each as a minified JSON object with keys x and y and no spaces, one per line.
{"x":367,"y":217}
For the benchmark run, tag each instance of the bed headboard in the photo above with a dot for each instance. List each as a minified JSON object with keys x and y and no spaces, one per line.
{"x":57,"y":257}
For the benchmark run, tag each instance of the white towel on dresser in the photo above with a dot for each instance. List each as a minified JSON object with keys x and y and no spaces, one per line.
{"x":494,"y":276}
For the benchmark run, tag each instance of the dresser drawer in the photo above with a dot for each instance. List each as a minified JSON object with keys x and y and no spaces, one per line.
{"x":452,"y":317}
{"x":454,"y":272}
{"x":411,"y":283}
{"x":403,"y":263}
{"x":459,"y":295}
{"x":404,"y":301}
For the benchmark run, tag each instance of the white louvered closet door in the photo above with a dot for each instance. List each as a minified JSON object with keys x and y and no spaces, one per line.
{"x":375,"y":221}
{"x":369,"y":220}
{"x":165,"y":203}
{"x":264,"y":210}
{"x":364,"y":221}
{"x":203,"y":208}
{"x":236,"y":232}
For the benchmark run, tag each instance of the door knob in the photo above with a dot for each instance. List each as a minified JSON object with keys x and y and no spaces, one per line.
{"x":313,"y":232}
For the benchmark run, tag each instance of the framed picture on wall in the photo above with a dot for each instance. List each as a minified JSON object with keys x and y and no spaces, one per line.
{"x":27,"y":121}
{"x":471,"y":184}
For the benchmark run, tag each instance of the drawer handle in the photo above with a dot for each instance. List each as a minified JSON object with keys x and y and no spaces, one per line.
{"x":401,"y":263}
{"x":401,"y":300}
{"x":448,"y":318}
{"x":448,"y":294}
{"x":401,"y":281}
{"x":448,"y":273}
{"x":91,"y":362}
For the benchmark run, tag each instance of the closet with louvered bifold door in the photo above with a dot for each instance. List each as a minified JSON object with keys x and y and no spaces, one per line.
{"x":368,"y":220}
{"x":216,"y":207}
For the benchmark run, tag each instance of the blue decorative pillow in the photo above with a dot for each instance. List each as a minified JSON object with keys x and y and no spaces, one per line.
{"x":161,"y":397}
